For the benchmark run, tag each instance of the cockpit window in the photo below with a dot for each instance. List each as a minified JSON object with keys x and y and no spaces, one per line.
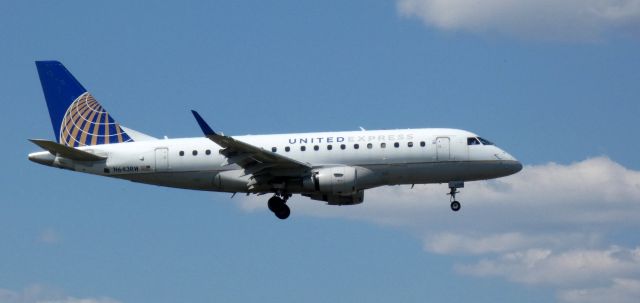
{"x":472,"y":141}
{"x":485,"y":141}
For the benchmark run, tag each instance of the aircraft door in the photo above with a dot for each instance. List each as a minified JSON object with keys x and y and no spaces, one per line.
{"x":443,"y":148}
{"x":162,"y":159}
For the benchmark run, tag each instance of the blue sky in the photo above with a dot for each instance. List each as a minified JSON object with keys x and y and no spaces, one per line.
{"x":553,"y":82}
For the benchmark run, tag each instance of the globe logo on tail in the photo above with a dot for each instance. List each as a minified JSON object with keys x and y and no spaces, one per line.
{"x":86,"y":122}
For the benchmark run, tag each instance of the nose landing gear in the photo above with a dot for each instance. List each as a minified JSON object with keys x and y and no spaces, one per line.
{"x":278,"y":205}
{"x":453,"y":187}
{"x":455,"y":205}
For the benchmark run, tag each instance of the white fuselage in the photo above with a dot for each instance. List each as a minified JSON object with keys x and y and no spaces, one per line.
{"x":381,"y":157}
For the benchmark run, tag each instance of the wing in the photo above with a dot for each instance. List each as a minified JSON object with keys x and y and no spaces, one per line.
{"x":254,"y":160}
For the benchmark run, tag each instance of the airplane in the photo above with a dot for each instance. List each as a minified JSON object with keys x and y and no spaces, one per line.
{"x":333,"y":167}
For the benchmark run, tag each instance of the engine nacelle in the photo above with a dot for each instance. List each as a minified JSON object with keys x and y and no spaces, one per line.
{"x":338,"y":180}
{"x":352,"y":199}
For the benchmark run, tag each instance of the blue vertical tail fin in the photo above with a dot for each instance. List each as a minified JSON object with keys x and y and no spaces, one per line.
{"x":77,"y":118}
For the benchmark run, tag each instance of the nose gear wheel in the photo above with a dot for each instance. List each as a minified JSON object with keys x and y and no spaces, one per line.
{"x":453,"y":190}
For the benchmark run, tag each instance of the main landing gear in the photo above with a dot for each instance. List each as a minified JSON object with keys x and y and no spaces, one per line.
{"x":278,"y":205}
{"x":453,"y":187}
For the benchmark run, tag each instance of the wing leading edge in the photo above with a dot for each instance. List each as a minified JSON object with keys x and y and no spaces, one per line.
{"x":254,"y":160}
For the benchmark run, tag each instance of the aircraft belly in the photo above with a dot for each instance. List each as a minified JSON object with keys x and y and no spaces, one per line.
{"x":203,"y":180}
{"x":435,"y":172}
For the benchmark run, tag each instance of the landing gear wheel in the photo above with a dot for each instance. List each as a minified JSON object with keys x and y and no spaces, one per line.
{"x":278,"y":206}
{"x":453,"y":190}
{"x":283,"y":212}
{"x":274,"y":203}
{"x":455,"y":206}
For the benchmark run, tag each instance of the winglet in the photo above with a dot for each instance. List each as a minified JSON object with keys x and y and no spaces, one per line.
{"x":206,"y":129}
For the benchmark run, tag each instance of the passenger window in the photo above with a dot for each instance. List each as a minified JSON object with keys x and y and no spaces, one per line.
{"x":207,"y":152}
{"x":329,"y":147}
{"x":342,"y":146}
{"x":287,"y":148}
{"x":181,"y":153}
{"x":195,"y":152}
{"x":356,"y":146}
{"x":422,"y":144}
{"x":369,"y":145}
{"x":383,"y":145}
{"x":410,"y":144}
{"x":472,"y":141}
{"x":315,"y":147}
{"x":396,"y":145}
{"x":303,"y":148}
{"x":274,"y":149}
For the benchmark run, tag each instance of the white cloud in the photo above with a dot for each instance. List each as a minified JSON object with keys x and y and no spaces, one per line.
{"x":570,"y":268}
{"x":553,"y":225}
{"x":42,"y":294}
{"x":450,"y":243}
{"x":621,"y":291}
{"x":538,"y":19}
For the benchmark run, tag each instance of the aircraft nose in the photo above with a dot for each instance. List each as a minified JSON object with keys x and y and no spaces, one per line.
{"x":513,"y":166}
{"x":510,"y":164}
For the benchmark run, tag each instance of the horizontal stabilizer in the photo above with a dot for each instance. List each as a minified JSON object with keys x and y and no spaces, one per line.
{"x":66,"y":151}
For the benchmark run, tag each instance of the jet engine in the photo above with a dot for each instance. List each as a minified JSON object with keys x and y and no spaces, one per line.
{"x":351,"y":199}
{"x":337,"y":180}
